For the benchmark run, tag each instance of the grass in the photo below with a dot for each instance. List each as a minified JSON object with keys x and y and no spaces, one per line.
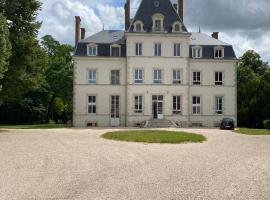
{"x":154,"y":136}
{"x":249,"y":131}
{"x":35,"y":126}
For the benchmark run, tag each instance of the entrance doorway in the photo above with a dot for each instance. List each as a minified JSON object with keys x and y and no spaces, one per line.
{"x":157,"y":106}
{"x":115,"y":111}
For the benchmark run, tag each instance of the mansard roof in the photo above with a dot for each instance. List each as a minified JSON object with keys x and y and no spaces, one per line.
{"x":203,"y":39}
{"x":148,"y":8}
{"x":106,"y":37}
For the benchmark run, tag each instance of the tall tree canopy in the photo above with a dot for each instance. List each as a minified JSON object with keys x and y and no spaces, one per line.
{"x":28,"y":59}
{"x":5,"y":47}
{"x":253,"y":90}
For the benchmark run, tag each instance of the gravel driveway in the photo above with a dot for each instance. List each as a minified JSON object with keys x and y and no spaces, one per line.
{"x":78,"y":164}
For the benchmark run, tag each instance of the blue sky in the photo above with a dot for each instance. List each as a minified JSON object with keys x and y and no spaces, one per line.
{"x":242,"y":23}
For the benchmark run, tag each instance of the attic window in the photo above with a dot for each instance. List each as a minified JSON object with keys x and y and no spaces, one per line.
{"x":115,"y":50}
{"x":176,"y":27}
{"x":219,"y":52}
{"x":138,"y":26}
{"x":157,"y":22}
{"x":92,"y":50}
{"x":196,"y":52}
{"x":156,"y":4}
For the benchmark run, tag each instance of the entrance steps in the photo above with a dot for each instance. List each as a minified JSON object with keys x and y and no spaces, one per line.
{"x":158,"y":123}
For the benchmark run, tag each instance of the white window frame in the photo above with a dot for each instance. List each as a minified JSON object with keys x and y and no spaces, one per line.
{"x":219,"y":82}
{"x":90,"y":48}
{"x":138,"y":23}
{"x":197,"y":52}
{"x":219,"y":107}
{"x":91,"y":79}
{"x":174,"y":27}
{"x":177,"y":49}
{"x":220,"y":50}
{"x":115,"y":46}
{"x":119,"y":78}
{"x":91,"y":105}
{"x":175,"y":78}
{"x":197,"y":106}
{"x":158,"y":49}
{"x":197,"y":80}
{"x":138,"y":104}
{"x":138,"y":77}
{"x":138,"y":48}
{"x":157,"y":79}
{"x":178,"y":102}
{"x":158,"y":17}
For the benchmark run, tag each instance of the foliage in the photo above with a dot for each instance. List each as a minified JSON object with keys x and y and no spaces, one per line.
{"x":253,"y":91}
{"x":154,"y":136}
{"x":5,"y":46}
{"x":249,"y":131}
{"x":266,"y":124}
{"x":35,"y":126}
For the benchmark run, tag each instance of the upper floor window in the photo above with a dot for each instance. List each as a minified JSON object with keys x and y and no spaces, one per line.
{"x":176,"y":104}
{"x":219,"y":105}
{"x":196,"y":52}
{"x":138,"y":104}
{"x":196,"y":78}
{"x":176,"y":49}
{"x":138,"y":49}
{"x":177,"y":76}
{"x":157,"y":76}
{"x":92,"y":104}
{"x":92,"y":50}
{"x":92,"y":76}
{"x":115,"y":77}
{"x":138,"y":26}
{"x":218,"y":78}
{"x":219,"y":52}
{"x":157,"y":22}
{"x":157,"y":49}
{"x":116,"y":50}
{"x":196,"y":105}
{"x":176,"y":27}
{"x":138,"y":76}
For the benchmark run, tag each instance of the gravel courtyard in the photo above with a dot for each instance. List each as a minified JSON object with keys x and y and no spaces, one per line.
{"x":78,"y":164}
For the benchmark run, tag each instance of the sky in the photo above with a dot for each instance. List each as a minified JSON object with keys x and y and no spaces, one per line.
{"x":243,"y":23}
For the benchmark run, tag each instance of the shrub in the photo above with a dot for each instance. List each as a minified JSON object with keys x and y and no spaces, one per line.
{"x":267,"y":124}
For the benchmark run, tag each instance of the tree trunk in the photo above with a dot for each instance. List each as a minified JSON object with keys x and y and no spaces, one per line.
{"x":50,"y":106}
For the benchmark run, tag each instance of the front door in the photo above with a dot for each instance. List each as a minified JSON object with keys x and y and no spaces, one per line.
{"x":157,"y":106}
{"x":115,"y":111}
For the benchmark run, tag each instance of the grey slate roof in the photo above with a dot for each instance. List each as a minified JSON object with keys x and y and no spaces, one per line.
{"x":147,"y":9}
{"x":203,"y":39}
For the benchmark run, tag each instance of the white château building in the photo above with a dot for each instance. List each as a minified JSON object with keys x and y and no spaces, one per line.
{"x":153,"y":72}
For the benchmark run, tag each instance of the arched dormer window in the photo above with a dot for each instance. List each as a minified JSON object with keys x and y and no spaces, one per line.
{"x":176,"y":27}
{"x":196,"y":52}
{"x":92,"y":49}
{"x":219,"y":52}
{"x":138,"y":26}
{"x":115,"y":50}
{"x":158,"y":22}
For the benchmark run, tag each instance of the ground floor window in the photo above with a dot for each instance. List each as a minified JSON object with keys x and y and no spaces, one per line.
{"x":196,"y":105}
{"x":176,"y":104}
{"x":138,"y":104}
{"x":219,"y":105}
{"x":92,"y":105}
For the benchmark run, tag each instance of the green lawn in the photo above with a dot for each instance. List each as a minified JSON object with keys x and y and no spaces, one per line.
{"x":154,"y":136}
{"x":36,"y":126}
{"x":249,"y":131}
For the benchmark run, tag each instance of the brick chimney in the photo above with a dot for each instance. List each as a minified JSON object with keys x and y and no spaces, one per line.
{"x":215,"y":35}
{"x":181,"y":9}
{"x":127,"y":14}
{"x":77,"y":29}
{"x":82,"y":33}
{"x":175,"y":7}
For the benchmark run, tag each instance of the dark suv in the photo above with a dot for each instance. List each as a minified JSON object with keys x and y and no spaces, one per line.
{"x":227,"y":123}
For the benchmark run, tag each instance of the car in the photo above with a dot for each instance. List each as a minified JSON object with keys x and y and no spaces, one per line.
{"x":227,"y":124}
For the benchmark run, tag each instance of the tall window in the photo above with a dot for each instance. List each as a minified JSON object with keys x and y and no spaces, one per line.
{"x":92,"y":50}
{"x":157,"y":25}
{"x":219,"y":52}
{"x":219,"y":105}
{"x":177,"y":76}
{"x":115,"y":51}
{"x":138,"y":104}
{"x":196,"y":52}
{"x":196,"y":105}
{"x":218,"y":78}
{"x":115,"y":77}
{"x":138,"y":49}
{"x":157,"y":76}
{"x":138,"y":76}
{"x":176,"y":104}
{"x":92,"y":105}
{"x":177,"y":48}
{"x":196,"y":78}
{"x":157,"y":49}
{"x":92,"y":76}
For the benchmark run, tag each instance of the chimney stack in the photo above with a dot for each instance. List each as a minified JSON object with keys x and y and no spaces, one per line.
{"x":82,"y":33}
{"x":127,"y":14}
{"x":181,"y":9}
{"x":175,"y":7}
{"x":77,"y":29}
{"x":215,"y":35}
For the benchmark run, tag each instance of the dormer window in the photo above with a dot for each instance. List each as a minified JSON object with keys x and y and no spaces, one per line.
{"x":138,"y":26}
{"x":115,"y":50}
{"x":176,"y":27}
{"x":157,"y":25}
{"x":196,"y":52}
{"x":157,"y":22}
{"x":219,"y":52}
{"x":92,"y":50}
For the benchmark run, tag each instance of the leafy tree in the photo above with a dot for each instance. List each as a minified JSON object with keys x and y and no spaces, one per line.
{"x":5,"y":47}
{"x":28,"y":60}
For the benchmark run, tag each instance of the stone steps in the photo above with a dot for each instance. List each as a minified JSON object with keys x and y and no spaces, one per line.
{"x":159,"y":124}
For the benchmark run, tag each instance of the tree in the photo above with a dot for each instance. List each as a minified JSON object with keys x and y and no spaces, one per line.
{"x":5,"y":46}
{"x":28,"y":60}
